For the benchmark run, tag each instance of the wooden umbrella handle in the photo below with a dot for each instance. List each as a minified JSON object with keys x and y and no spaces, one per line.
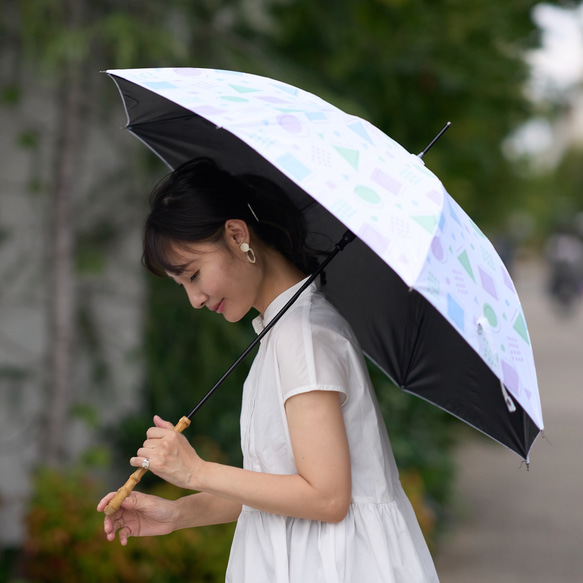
{"x":133,"y":480}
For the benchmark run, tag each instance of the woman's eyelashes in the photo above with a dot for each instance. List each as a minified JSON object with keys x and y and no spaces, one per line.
{"x":191,"y":279}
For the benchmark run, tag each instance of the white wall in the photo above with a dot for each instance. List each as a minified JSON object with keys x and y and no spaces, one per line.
{"x":114,"y":297}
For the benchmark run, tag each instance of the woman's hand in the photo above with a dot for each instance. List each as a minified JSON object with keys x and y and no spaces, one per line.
{"x":139,"y":515}
{"x":171,"y":456}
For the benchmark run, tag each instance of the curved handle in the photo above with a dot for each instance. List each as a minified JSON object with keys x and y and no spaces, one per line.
{"x":133,"y":480}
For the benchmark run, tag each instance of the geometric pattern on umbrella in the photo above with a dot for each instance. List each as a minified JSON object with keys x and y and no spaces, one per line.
{"x":344,"y":163}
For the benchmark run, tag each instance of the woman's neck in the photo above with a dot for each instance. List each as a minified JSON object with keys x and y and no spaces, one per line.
{"x":279,"y":275}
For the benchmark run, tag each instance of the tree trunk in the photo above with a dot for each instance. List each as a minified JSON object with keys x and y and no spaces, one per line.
{"x":61,"y":235}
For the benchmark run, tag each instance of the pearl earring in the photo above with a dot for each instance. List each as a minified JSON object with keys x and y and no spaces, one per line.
{"x":246,"y":249}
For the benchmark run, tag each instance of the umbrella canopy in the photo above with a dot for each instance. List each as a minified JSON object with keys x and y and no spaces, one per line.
{"x":424,"y":290}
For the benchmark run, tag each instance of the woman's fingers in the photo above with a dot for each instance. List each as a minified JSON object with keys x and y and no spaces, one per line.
{"x":110,"y":528}
{"x":117,"y":526}
{"x":132,"y":501}
{"x":112,"y":523}
{"x":124,"y":534}
{"x":105,"y":501}
{"x":159,"y":429}
{"x":116,"y":523}
{"x":156,"y":438}
{"x":138,"y":460}
{"x":159,"y":422}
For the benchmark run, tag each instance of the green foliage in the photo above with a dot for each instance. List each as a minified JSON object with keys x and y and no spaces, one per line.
{"x":412,"y":65}
{"x":128,"y":40}
{"x":86,"y":413}
{"x":28,"y":139}
{"x":94,"y":244}
{"x":66,"y":544}
{"x":58,"y":32}
{"x":104,"y":34}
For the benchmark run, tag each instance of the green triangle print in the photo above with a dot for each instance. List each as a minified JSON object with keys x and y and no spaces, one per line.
{"x":428,"y":222}
{"x":234,"y":98}
{"x":350,"y":155}
{"x":520,"y":327}
{"x":465,"y":261}
{"x":241,"y":89}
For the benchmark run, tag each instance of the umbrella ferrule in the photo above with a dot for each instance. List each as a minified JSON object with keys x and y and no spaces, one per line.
{"x":440,"y":133}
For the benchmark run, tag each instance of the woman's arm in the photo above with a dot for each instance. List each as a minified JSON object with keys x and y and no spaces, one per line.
{"x":146,"y":515}
{"x":321,"y":489}
{"x":204,"y":509}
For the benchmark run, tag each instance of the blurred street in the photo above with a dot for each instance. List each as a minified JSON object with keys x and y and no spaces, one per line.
{"x":516,"y":525}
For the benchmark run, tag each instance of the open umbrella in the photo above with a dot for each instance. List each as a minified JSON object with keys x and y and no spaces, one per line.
{"x":424,"y":290}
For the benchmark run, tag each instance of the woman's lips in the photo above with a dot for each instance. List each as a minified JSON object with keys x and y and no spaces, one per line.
{"x":219,"y":307}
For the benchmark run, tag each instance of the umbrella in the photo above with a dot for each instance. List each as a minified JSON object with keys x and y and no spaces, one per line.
{"x":428,"y":297}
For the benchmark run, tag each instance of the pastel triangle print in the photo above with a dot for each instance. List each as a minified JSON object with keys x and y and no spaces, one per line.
{"x":520,"y":328}
{"x":241,"y":89}
{"x":465,"y":261}
{"x":358,"y":127}
{"x":350,"y":155}
{"x":428,"y":222}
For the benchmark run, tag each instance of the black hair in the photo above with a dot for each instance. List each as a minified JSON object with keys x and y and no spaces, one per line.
{"x":193,"y":203}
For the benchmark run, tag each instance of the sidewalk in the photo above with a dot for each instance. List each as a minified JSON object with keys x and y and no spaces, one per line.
{"x":515,"y":525}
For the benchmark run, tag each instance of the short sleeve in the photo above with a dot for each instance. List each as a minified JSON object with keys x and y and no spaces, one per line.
{"x":311,"y":356}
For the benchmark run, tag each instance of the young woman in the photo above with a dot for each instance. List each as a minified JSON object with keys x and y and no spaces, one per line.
{"x":318,"y":498}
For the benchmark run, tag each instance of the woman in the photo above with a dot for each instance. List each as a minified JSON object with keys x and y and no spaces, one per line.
{"x":318,"y":498}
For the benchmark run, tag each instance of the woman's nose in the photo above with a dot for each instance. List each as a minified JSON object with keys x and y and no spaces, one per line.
{"x":197,"y":299}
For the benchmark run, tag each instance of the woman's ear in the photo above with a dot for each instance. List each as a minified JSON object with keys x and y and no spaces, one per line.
{"x":236,"y":232}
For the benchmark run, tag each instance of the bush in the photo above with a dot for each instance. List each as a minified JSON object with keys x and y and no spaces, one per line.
{"x":66,"y":543}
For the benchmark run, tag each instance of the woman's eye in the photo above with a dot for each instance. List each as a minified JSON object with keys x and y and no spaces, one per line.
{"x":194,"y":276}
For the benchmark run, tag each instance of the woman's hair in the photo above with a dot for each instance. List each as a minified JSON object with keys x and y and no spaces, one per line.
{"x":193,"y":203}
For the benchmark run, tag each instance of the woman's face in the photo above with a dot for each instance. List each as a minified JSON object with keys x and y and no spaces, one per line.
{"x":219,"y":276}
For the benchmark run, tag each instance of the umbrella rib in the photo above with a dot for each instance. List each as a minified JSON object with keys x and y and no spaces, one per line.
{"x":151,"y":148}
{"x":524,"y":456}
{"x":132,"y":125}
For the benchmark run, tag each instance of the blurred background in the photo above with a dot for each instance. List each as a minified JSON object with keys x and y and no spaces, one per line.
{"x":91,"y":347}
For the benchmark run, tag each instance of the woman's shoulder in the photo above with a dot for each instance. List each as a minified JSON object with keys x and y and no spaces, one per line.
{"x":313,"y":348}
{"x":314,"y":316}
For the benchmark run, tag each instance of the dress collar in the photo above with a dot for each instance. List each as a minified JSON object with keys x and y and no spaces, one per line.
{"x":280,"y":301}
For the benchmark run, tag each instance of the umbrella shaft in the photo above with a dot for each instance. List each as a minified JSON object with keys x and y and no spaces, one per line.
{"x":441,"y":132}
{"x":346,"y":239}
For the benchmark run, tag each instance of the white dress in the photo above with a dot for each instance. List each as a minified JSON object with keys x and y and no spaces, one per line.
{"x":313,"y":348}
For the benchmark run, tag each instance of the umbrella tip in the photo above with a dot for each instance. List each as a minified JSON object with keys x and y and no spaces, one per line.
{"x":441,"y":132}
